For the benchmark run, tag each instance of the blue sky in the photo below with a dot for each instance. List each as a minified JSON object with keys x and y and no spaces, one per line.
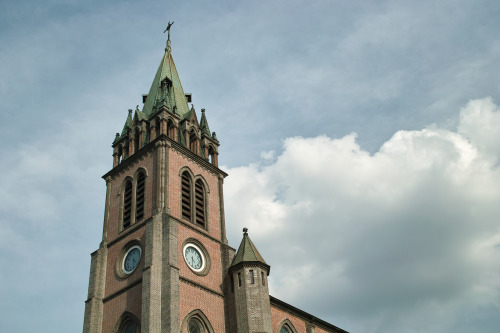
{"x":362,"y":136}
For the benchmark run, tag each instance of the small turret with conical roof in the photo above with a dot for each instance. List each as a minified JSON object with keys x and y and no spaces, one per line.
{"x":248,"y":274}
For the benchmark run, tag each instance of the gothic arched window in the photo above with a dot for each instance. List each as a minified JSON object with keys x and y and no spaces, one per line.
{"x":127,"y":204}
{"x":128,"y":324}
{"x":194,"y":326}
{"x":120,"y":154}
{"x":129,"y":327}
{"x":199,"y":203}
{"x":137,"y":143}
{"x":139,"y":196}
{"x":211,"y":155}
{"x":196,"y":322}
{"x":193,"y":142}
{"x":171,"y":129}
{"x":186,"y":195}
{"x":287,"y":327}
{"x":157,"y":127}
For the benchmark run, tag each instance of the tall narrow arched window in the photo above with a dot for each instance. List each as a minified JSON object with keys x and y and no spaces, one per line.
{"x":186,"y":196}
{"x":139,"y":198}
{"x":199,"y":203}
{"x":211,"y":155}
{"x":170,"y":129}
{"x":120,"y":154}
{"x":157,"y":127}
{"x":137,"y":144}
{"x":193,"y":141}
{"x":127,"y":204}
{"x":125,"y":149}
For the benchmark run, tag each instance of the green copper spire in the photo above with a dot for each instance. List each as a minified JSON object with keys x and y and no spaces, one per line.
{"x":204,"y":123}
{"x":166,"y":88}
{"x":247,"y":252}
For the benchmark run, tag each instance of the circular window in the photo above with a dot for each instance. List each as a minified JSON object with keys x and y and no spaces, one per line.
{"x":194,"y":257}
{"x":131,"y":259}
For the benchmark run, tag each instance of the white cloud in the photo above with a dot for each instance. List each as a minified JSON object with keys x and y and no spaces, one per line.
{"x":407,"y":233}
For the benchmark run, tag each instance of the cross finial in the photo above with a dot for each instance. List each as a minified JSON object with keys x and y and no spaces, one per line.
{"x":168,"y":29}
{"x":245,"y":231}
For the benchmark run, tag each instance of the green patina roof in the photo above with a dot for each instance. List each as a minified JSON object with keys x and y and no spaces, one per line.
{"x":247,"y":252}
{"x":140,"y":115}
{"x":166,"y":70}
{"x":204,"y":123}
{"x":128,"y":123}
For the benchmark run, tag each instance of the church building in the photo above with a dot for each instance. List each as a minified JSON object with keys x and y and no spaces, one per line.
{"x":164,"y":263}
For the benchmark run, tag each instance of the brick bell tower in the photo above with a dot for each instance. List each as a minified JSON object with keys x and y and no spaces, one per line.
{"x":163,"y":262}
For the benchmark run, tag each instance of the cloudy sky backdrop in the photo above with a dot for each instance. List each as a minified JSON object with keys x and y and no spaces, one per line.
{"x":362,"y":137}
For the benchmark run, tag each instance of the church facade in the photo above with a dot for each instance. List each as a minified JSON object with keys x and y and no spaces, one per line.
{"x":164,"y":263}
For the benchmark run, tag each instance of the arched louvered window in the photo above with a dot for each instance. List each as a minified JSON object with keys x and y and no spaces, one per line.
{"x":199,"y":203}
{"x":186,"y":196}
{"x":139,"y":199}
{"x":127,"y":204}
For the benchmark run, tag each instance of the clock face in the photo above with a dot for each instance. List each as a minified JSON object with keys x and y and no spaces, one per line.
{"x":194,"y":257}
{"x":131,"y":260}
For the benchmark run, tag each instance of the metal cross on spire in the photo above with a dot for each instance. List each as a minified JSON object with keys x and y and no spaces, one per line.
{"x":168,"y":29}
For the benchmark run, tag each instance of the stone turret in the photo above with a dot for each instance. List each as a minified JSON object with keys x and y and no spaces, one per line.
{"x":248,"y":273}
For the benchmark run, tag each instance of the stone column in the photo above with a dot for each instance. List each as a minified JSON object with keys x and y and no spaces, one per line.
{"x":151,"y":276}
{"x":170,"y":273}
{"x":106,"y":210}
{"x":92,"y":322}
{"x":161,"y":202}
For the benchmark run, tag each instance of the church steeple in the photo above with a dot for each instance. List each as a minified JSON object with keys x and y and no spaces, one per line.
{"x":166,"y":88}
{"x":166,"y":112}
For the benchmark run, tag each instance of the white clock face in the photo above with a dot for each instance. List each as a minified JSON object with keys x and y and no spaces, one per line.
{"x":131,"y":259}
{"x":194,"y":257}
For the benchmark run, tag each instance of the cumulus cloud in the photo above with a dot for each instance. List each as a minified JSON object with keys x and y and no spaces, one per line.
{"x":406,"y":238}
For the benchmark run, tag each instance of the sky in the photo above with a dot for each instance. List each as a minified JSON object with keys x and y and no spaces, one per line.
{"x":360,"y":137}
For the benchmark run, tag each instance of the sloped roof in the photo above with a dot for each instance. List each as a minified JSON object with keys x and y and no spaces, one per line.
{"x":128,"y":123}
{"x":247,"y":252}
{"x":166,"y":70}
{"x":204,"y":123}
